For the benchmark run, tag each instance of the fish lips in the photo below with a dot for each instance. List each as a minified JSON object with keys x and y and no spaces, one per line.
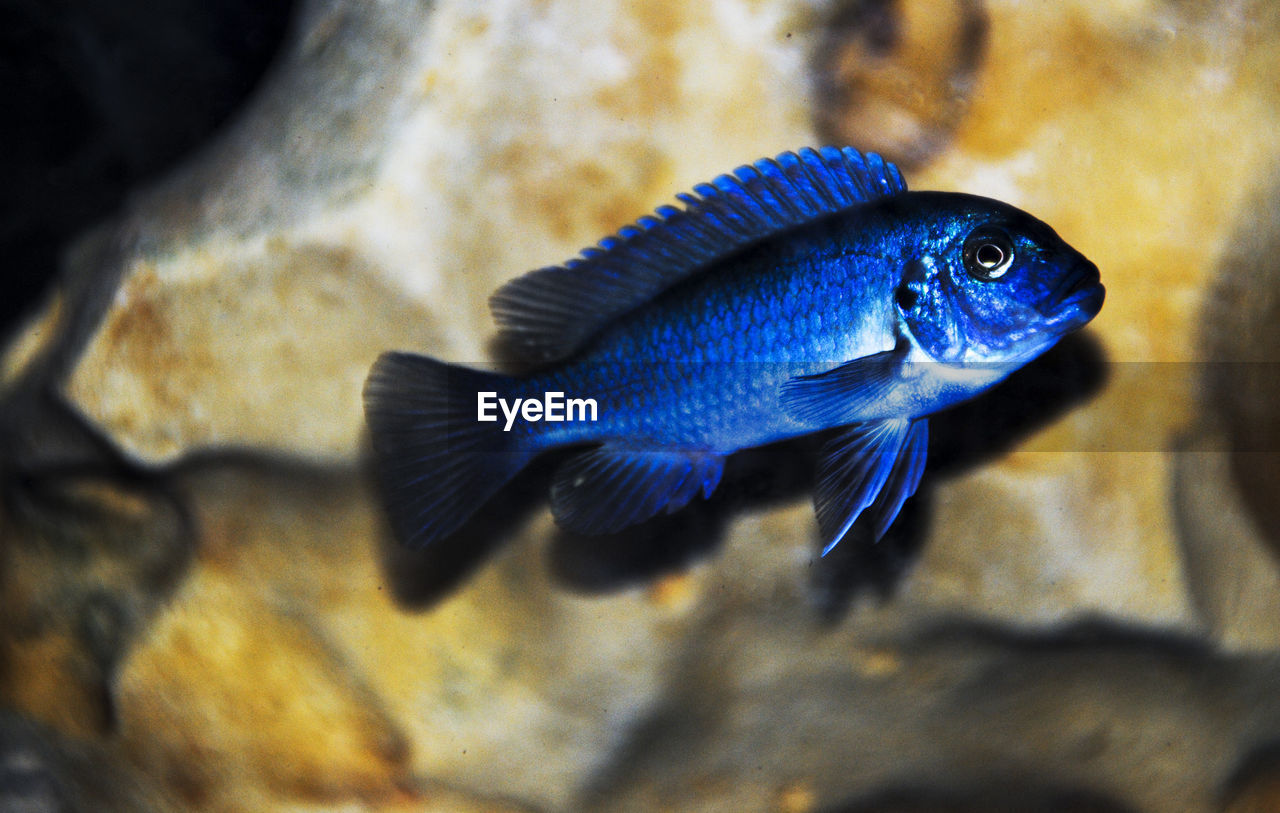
{"x":1076,"y":299}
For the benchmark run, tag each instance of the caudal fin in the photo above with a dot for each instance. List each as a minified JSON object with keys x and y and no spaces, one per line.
{"x":436,"y":464}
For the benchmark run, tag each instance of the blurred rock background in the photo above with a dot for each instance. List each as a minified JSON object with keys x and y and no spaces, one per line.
{"x":201,"y":609}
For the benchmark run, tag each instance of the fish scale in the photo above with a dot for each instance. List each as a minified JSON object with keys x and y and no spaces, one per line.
{"x":806,"y":292}
{"x":731,"y":341}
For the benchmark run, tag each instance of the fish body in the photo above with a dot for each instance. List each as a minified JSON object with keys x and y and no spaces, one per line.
{"x":798,"y":294}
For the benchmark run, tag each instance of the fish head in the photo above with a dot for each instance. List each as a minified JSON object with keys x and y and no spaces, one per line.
{"x":993,"y":284}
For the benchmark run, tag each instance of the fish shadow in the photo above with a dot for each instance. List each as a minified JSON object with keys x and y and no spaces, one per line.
{"x":990,"y":426}
{"x":419,"y":578}
{"x":962,"y":438}
{"x":753,"y":479}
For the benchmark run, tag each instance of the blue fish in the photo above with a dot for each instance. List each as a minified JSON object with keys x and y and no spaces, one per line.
{"x":797,"y":294}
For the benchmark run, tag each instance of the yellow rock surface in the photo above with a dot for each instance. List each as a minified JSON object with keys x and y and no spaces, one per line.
{"x":1066,"y":621}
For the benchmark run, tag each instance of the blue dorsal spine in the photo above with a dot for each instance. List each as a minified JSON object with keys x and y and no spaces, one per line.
{"x":549,"y":313}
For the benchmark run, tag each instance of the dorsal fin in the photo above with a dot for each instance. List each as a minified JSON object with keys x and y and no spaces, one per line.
{"x":548,"y":313}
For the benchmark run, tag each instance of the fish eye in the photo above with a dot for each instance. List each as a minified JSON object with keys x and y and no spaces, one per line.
{"x":988,"y":254}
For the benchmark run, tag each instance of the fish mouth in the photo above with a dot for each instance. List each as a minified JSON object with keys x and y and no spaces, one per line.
{"x":1078,"y":296}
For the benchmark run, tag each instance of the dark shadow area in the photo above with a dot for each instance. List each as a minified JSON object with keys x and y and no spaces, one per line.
{"x":1255,"y":783}
{"x":990,"y":675}
{"x":859,"y":563}
{"x":91,"y":546}
{"x":667,"y":543}
{"x":982,"y":430}
{"x":996,"y":795}
{"x":1240,"y":335}
{"x":419,"y":578}
{"x":753,"y":478}
{"x":1090,"y":634}
{"x":102,"y":97}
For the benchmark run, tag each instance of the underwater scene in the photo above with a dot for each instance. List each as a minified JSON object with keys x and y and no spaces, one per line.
{"x":566,"y":405}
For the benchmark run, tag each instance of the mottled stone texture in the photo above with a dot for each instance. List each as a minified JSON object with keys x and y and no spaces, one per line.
{"x":1079,"y":611}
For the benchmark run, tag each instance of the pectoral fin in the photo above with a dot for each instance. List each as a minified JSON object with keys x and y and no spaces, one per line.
{"x":608,"y":489}
{"x":847,"y":393}
{"x":869,"y":466}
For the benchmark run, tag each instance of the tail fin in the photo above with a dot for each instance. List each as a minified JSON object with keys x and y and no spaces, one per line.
{"x":435,"y":462}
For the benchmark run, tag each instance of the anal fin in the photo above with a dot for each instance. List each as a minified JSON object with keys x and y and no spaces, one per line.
{"x":608,"y":489}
